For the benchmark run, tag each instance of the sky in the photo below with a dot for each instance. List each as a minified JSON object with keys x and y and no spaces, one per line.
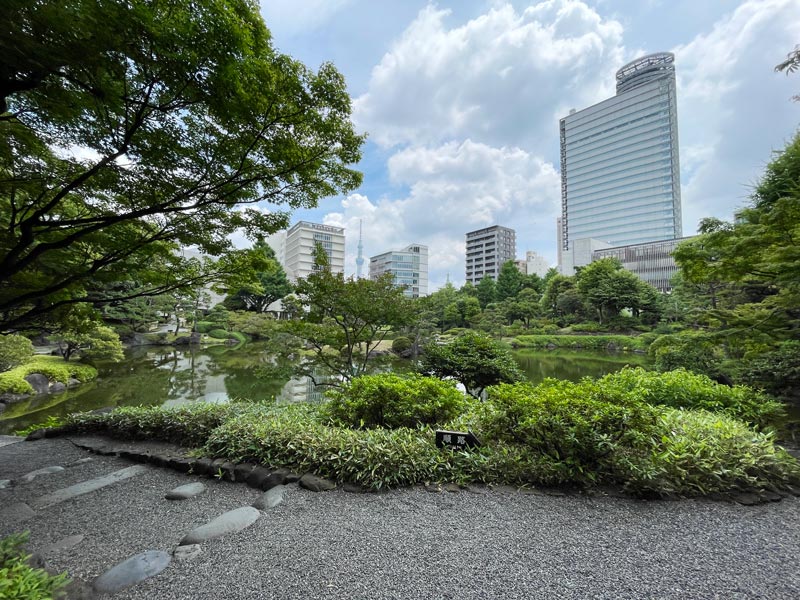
{"x":461,"y":101}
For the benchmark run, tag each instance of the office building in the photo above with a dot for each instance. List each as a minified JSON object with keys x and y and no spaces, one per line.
{"x":487,"y":250}
{"x":294,"y":248}
{"x":620,"y":173}
{"x":651,"y":262}
{"x":409,"y":266}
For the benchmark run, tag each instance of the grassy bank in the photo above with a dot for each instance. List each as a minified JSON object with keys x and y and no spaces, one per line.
{"x":54,"y":368}
{"x":584,"y":342}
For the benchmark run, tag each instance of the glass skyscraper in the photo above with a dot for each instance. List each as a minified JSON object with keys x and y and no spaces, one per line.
{"x":620,"y":173}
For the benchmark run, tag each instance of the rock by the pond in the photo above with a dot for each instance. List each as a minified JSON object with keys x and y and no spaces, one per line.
{"x":28,"y":477}
{"x":190,"y":490}
{"x":271,"y":498}
{"x":16,"y":513}
{"x":40,"y":383}
{"x":57,"y":387}
{"x":63,"y":544}
{"x":132,"y":571}
{"x":316,"y":484}
{"x":229,"y":522}
{"x":187,"y":552}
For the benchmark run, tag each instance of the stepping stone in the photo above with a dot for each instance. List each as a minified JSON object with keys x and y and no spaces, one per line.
{"x":190,"y":490}
{"x":132,"y":571}
{"x":6,"y":440}
{"x":88,"y":486}
{"x":187,"y":552}
{"x":63,"y":544}
{"x":28,"y":477}
{"x":229,"y":522}
{"x":316,"y":484}
{"x":271,"y":498}
{"x":16,"y":513}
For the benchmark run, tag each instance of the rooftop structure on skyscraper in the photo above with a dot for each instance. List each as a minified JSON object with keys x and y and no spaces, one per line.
{"x":620,"y":172}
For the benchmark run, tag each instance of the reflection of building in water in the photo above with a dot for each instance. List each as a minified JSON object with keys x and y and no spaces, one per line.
{"x":303,"y":389}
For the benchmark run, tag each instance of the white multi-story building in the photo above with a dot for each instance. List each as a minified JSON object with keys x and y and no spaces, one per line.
{"x":620,"y":173}
{"x":409,"y":266}
{"x":294,"y":248}
{"x":536,"y":263}
{"x":487,"y":250}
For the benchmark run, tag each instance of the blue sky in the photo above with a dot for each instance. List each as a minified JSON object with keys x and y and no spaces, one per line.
{"x":461,"y":101}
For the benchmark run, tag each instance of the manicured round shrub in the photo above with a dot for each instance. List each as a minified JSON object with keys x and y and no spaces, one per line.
{"x":203,"y":326}
{"x":400,"y":344}
{"x":15,"y":350}
{"x":219,"y":334}
{"x":390,"y":400}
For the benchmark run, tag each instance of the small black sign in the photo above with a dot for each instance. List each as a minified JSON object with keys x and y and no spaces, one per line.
{"x":457,"y":440}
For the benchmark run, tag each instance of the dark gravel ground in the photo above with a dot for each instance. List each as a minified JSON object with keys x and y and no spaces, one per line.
{"x":408,"y":543}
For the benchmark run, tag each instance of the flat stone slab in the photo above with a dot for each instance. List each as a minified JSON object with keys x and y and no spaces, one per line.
{"x":63,"y":544}
{"x":132,"y":571}
{"x":17,"y":512}
{"x":89,"y":486}
{"x":6,"y":440}
{"x":28,"y":477}
{"x":190,"y":490}
{"x":271,"y":498}
{"x":229,"y":522}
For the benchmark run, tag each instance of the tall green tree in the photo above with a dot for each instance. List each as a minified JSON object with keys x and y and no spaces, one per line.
{"x":609,"y":288}
{"x":473,"y":359}
{"x":509,"y":281}
{"x":131,"y":129}
{"x":269,"y":285}
{"x":346,"y":319}
{"x":486,"y":291}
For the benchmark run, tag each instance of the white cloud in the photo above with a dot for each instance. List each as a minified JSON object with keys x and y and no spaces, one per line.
{"x":504,"y":77}
{"x":733,"y":109}
{"x":453,"y":188}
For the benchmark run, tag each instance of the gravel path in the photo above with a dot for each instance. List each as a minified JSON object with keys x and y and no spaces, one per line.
{"x":407,"y":543}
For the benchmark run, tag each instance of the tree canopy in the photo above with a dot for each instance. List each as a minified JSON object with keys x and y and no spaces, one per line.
{"x":131,"y":129}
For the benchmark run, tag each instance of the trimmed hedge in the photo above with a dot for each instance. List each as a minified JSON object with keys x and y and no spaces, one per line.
{"x":583,"y":342}
{"x":189,"y":425}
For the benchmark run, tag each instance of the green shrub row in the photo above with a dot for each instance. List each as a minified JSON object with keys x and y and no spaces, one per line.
{"x":53,"y":367}
{"x":582,"y":342}
{"x":189,"y":425}
{"x":20,"y":581}
{"x":683,"y":389}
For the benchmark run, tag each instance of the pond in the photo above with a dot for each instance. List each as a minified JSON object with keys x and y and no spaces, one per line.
{"x":169,"y":376}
